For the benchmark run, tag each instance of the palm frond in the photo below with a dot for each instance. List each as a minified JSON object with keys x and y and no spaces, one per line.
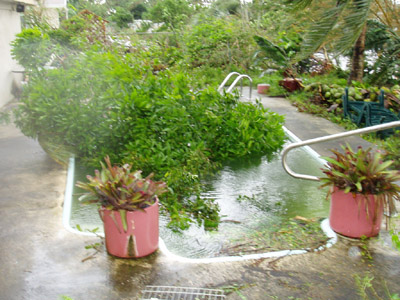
{"x":395,"y":37}
{"x":272,"y":51}
{"x":298,"y":4}
{"x":316,"y":36}
{"x":353,"y":23}
{"x":387,"y":65}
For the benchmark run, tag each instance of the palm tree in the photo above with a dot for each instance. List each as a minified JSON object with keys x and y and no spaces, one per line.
{"x":346,"y":20}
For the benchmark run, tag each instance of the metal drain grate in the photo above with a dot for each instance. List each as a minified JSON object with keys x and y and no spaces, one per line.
{"x":181,"y":293}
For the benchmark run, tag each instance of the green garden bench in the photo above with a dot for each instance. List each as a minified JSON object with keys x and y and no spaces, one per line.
{"x":369,"y":113}
{"x":378,"y":115}
{"x":356,"y":111}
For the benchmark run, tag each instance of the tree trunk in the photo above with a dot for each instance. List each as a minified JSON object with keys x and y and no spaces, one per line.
{"x":357,"y":61}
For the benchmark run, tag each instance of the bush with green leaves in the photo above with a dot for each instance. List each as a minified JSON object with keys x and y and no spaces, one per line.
{"x":137,"y":10}
{"x":31,"y":48}
{"x":224,"y":7}
{"x":121,"y":17}
{"x":219,"y":43}
{"x":42,"y":47}
{"x":391,"y":147}
{"x":110,"y":103}
{"x":173,"y":13}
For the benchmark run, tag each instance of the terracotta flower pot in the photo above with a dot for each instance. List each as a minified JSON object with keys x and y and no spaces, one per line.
{"x":355,"y":216}
{"x":291,"y":84}
{"x":262,"y":88}
{"x":139,"y":238}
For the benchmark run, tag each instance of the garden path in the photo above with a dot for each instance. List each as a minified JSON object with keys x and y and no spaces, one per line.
{"x":306,"y":126}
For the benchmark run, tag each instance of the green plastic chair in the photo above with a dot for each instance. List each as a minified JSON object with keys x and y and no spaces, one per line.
{"x":354,"y":110}
{"x":376,"y":115}
{"x":369,"y":113}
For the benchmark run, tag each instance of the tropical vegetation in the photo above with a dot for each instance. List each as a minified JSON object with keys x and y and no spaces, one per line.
{"x":365,"y":172}
{"x":137,"y":103}
{"x":136,"y":80}
{"x":118,"y":188}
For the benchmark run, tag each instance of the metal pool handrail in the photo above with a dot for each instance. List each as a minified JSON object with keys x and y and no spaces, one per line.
{"x":221,"y":86}
{"x":336,"y":136}
{"x":240,"y":77}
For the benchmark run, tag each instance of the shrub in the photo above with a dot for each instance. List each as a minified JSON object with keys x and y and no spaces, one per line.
{"x":121,"y":17}
{"x":31,"y":48}
{"x":391,"y":147}
{"x":218,"y":43}
{"x":173,"y":13}
{"x":108,"y":103}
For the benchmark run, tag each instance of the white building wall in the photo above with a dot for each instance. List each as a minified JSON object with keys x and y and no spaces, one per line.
{"x":10,"y":25}
{"x":52,"y":17}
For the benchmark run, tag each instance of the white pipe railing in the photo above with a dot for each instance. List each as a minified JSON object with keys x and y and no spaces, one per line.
{"x":240,"y":77}
{"x":336,"y":136}
{"x":221,"y":86}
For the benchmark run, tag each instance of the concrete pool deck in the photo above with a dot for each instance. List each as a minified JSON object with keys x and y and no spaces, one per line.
{"x":41,"y":260}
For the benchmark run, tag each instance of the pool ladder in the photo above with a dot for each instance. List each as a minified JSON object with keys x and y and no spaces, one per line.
{"x":336,"y":136}
{"x":232,"y":86}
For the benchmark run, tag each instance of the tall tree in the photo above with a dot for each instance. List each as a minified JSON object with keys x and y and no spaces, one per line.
{"x":173,"y":13}
{"x":346,"y":19}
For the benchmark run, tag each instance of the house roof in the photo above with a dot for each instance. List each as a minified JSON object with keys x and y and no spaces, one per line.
{"x":25,"y":2}
{"x":45,"y":3}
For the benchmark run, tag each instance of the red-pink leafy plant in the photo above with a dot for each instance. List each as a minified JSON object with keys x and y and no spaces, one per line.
{"x":363,"y":172}
{"x":118,"y":188}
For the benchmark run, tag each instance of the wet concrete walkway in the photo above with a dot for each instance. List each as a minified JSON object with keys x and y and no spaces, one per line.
{"x":40,"y":260}
{"x":306,"y":126}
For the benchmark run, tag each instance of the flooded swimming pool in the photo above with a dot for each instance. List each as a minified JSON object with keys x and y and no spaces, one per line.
{"x":253,"y":194}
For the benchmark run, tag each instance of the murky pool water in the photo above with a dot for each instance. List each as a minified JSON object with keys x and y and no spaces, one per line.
{"x":253,"y":194}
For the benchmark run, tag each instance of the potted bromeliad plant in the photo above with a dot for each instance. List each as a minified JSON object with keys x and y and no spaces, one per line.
{"x":362,"y":186}
{"x":128,"y":207}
